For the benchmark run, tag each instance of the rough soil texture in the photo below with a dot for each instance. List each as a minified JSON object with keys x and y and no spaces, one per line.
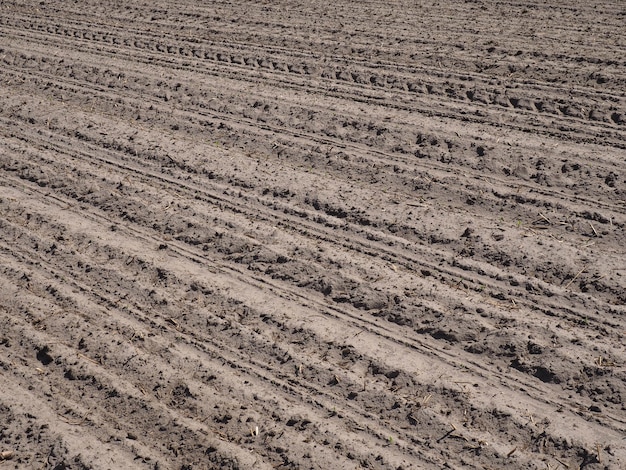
{"x":295,"y":234}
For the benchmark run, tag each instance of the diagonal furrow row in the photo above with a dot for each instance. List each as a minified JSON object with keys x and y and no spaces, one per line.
{"x":310,"y":235}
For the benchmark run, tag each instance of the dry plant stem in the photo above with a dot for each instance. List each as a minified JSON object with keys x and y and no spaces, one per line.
{"x":87,"y":358}
{"x":575,"y":277}
{"x":562,"y":463}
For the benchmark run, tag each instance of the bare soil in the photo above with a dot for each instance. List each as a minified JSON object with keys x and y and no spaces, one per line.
{"x":308,"y":234}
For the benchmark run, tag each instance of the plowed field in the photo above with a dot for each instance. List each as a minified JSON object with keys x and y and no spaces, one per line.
{"x":307,"y":234}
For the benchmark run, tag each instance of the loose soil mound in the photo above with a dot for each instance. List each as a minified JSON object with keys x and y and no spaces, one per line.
{"x":312,"y":234}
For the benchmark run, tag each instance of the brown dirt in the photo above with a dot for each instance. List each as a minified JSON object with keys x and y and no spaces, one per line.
{"x":296,"y":234}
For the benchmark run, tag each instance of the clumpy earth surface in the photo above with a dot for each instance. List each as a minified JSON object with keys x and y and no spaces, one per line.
{"x":305,"y":234}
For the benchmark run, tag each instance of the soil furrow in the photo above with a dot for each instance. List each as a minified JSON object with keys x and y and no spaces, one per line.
{"x":179,"y":330}
{"x":306,"y":235}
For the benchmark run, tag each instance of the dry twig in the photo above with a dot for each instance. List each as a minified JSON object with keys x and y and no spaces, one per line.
{"x":575,"y":277}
